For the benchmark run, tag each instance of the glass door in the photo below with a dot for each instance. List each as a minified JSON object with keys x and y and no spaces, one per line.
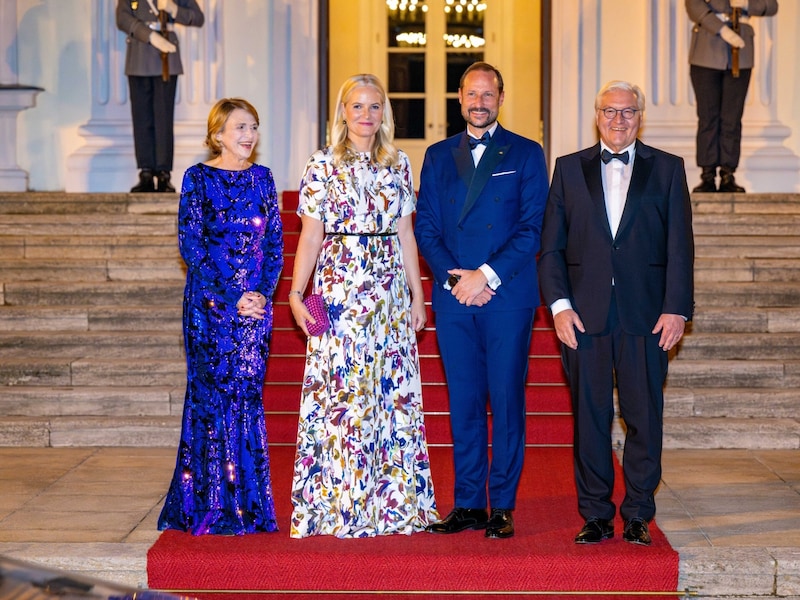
{"x":429,"y":44}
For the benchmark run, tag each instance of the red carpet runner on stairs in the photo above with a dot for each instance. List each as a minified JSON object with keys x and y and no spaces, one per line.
{"x":540,"y":558}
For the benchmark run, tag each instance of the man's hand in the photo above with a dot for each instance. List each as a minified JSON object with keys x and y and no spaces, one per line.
{"x":472,"y":288}
{"x":671,"y":328}
{"x":730,"y":36}
{"x":162,"y":44}
{"x":566,"y":322}
{"x":168,"y":5}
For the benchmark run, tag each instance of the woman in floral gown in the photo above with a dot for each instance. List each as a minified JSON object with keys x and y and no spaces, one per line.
{"x":362,"y":465}
{"x":231,"y":238}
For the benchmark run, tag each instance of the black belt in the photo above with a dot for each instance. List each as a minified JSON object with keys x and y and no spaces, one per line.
{"x":380,"y":234}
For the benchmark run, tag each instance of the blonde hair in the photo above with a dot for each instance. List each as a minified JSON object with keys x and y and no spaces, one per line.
{"x":383,"y":150}
{"x":219,"y":116}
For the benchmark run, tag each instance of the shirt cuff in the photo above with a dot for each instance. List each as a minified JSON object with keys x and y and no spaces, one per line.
{"x":560,"y":305}
{"x":492,"y":279}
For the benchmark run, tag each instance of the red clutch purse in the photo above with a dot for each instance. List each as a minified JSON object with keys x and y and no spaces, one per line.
{"x":316,"y":306}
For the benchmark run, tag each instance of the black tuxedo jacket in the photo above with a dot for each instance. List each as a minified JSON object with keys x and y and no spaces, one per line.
{"x":650,"y":261}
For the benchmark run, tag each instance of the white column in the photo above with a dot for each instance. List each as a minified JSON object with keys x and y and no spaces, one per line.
{"x":106,"y":163}
{"x":14,"y":98}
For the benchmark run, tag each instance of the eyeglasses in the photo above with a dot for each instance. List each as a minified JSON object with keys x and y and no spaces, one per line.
{"x":611,"y":113}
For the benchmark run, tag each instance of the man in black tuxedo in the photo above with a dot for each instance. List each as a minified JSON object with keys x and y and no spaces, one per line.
{"x":616,"y":269}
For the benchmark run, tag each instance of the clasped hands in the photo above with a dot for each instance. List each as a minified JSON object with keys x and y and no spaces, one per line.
{"x":251,"y":304}
{"x":158,"y":41}
{"x":472,"y":288}
{"x":728,"y":34}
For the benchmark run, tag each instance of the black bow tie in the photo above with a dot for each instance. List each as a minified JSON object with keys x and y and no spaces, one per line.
{"x":474,"y":142}
{"x":608,"y":156}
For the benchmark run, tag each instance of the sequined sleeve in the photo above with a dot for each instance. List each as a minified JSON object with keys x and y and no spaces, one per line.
{"x":192,"y":236}
{"x":272,"y":243}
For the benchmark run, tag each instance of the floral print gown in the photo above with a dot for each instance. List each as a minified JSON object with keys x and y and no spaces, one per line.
{"x":231,"y":238}
{"x":362,"y":466}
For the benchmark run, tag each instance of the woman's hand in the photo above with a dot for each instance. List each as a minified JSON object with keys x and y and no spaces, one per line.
{"x":252,"y":304}
{"x":300,"y":313}
{"x":419,"y":315}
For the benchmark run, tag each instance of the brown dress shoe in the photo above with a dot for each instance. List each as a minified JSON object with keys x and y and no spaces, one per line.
{"x":595,"y":530}
{"x":501,"y":524}
{"x":460,"y":519}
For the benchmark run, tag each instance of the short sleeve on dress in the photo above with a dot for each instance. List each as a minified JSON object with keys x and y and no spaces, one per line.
{"x":406,"y":180}
{"x":314,"y":184}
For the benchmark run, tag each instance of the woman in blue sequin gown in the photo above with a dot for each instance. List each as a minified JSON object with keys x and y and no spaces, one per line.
{"x":231,"y":238}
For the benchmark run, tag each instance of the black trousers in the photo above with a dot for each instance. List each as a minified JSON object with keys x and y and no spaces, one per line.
{"x":639,"y":368}
{"x":720,"y":104}
{"x":153,"y":113}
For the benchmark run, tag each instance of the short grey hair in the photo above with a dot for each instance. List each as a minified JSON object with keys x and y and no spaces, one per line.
{"x":618,"y":85}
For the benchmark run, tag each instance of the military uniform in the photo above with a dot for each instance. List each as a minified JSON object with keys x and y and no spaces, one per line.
{"x":152,"y":98}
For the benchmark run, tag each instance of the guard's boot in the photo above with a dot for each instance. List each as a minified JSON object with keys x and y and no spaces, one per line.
{"x":707,"y":181}
{"x":145,"y":182}
{"x":163,"y":182}
{"x":727,"y":183}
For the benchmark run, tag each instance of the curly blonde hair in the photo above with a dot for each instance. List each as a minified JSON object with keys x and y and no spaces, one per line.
{"x":383,"y":150}
{"x":219,"y":116}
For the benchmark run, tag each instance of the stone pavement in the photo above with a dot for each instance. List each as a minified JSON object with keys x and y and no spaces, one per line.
{"x":733,"y":515}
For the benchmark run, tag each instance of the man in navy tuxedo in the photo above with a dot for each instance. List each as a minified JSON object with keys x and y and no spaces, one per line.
{"x":481,"y":202}
{"x":616,"y":269}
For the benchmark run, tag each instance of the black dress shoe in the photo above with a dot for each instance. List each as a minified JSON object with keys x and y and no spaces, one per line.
{"x":145,"y":184}
{"x":501,"y":524}
{"x":706,"y":186}
{"x":636,"y":532}
{"x":727,"y":183}
{"x":164,"y":185}
{"x":595,"y":530}
{"x":460,"y":519}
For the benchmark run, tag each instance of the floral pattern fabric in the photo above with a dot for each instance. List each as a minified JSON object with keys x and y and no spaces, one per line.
{"x":231,"y":239}
{"x":362,"y":466}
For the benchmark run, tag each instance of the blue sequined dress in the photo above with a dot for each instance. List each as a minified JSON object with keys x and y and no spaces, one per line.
{"x":231,"y":239}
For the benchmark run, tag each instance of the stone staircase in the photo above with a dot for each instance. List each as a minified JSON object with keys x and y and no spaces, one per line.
{"x":90,"y":323}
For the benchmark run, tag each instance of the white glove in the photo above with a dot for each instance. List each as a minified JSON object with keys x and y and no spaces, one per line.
{"x":161,"y":43}
{"x":739,"y":4}
{"x":730,"y":36}
{"x":172,"y":8}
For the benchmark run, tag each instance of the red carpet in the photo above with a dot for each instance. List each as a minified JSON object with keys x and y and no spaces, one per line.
{"x":539,"y":561}
{"x":541,"y":557}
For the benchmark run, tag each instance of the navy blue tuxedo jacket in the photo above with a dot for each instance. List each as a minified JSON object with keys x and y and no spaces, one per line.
{"x":651,"y":258}
{"x":492,"y":213}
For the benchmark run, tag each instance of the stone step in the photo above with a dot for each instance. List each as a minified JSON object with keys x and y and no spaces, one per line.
{"x":732,"y":373}
{"x":154,"y":431}
{"x":89,"y":224}
{"x":734,"y":269}
{"x":133,"y":345}
{"x":780,"y":294}
{"x":747,"y":246}
{"x":106,"y":401}
{"x":745,"y":204}
{"x":81,"y":270}
{"x":50,"y":203}
{"x":746,"y":224}
{"x":734,"y":402}
{"x":90,"y":318}
{"x":119,"y":293}
{"x":163,"y":247}
{"x":64,"y":372}
{"x":740,"y":346}
{"x":742,"y":319}
{"x":726,"y":432}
